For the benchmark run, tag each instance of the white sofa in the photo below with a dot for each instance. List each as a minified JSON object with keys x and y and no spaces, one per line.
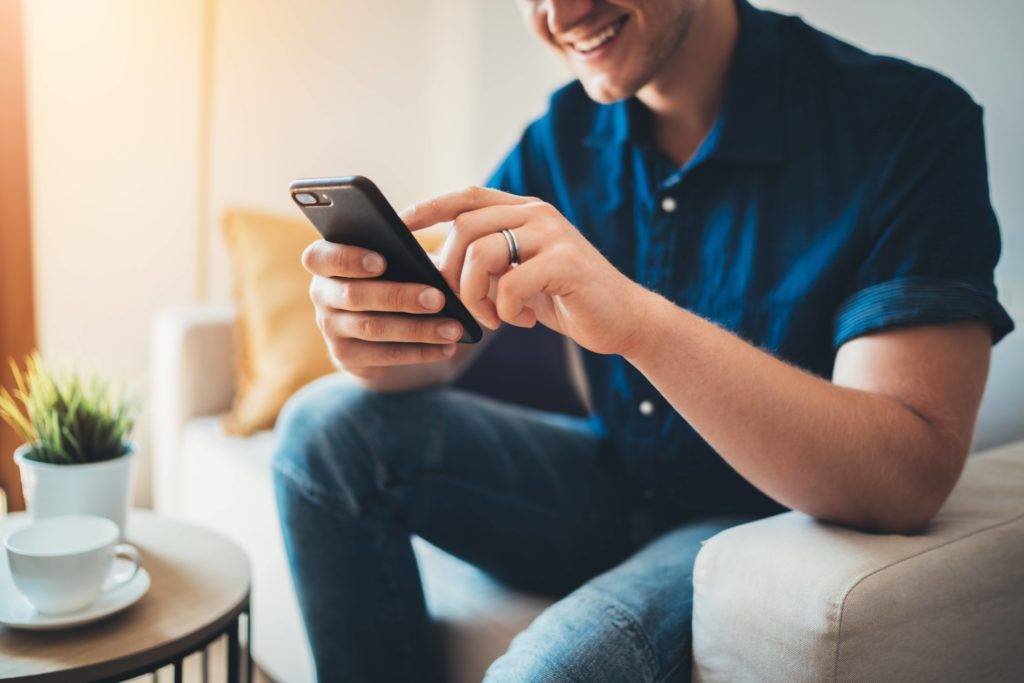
{"x":781,"y":599}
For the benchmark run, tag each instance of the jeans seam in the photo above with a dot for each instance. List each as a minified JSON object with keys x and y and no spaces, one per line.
{"x":312,"y":491}
{"x":315,"y":494}
{"x":628,"y":623}
{"x":672,"y":670}
{"x":363,"y":434}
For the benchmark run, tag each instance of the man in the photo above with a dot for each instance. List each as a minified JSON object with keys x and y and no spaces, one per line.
{"x":776,"y":252}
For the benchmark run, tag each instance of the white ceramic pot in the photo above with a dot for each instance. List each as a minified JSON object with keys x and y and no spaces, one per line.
{"x":98,"y":488}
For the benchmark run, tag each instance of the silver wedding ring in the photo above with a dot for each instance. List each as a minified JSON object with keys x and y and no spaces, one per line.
{"x":513,"y":247}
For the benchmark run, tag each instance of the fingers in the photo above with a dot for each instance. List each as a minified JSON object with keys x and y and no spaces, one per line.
{"x":519,"y":285}
{"x":385,"y":327}
{"x":357,"y":353}
{"x":486,"y":257}
{"x":448,"y":206}
{"x":473,"y":225}
{"x":369,"y":338}
{"x":366,"y":322}
{"x":341,"y":260}
{"x":375,"y":295}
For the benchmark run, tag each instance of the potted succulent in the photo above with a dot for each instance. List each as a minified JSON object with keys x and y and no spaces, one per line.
{"x":77,"y":456}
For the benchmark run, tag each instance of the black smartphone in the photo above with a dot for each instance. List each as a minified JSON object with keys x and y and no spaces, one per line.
{"x":351,"y":210}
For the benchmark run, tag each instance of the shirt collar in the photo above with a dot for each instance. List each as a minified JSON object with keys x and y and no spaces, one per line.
{"x":751,"y":126}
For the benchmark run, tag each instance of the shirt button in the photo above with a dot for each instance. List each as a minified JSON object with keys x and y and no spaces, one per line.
{"x":646,"y":408}
{"x":668,"y":204}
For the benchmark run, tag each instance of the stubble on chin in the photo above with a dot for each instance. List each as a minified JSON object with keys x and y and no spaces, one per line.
{"x":606,"y":89}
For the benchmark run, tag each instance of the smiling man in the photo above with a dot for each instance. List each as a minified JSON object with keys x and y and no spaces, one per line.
{"x":776,"y":252}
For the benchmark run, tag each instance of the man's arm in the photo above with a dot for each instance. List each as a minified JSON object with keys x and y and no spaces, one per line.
{"x":879,"y":447}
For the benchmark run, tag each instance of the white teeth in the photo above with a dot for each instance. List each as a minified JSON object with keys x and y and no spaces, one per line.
{"x":600,"y":39}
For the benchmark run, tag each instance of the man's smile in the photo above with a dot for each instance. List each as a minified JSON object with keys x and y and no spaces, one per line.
{"x":590,"y":45}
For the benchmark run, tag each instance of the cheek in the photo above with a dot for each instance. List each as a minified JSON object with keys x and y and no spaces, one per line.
{"x":536,"y":22}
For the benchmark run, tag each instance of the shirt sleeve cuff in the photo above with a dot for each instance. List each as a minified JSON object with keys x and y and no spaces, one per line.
{"x":919,"y":301}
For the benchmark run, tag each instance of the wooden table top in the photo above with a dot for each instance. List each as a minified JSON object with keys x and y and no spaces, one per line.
{"x":200,"y":583}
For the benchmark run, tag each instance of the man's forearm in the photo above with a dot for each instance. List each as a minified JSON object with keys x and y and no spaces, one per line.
{"x":833,"y":452}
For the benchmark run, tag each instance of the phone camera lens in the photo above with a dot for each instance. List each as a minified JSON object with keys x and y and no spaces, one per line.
{"x":305,"y":198}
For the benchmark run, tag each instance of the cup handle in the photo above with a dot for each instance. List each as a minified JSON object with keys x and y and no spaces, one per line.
{"x":125,"y":552}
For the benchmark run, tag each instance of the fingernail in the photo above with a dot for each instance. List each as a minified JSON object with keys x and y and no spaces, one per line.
{"x":431,"y":299}
{"x":373,"y":263}
{"x":449,"y":331}
{"x":449,"y":350}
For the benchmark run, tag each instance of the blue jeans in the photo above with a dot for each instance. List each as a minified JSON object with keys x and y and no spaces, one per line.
{"x":532,"y":498}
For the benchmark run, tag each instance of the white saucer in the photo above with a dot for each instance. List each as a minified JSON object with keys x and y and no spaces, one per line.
{"x":16,"y":612}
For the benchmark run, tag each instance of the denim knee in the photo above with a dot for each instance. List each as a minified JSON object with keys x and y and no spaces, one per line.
{"x":325,"y":443}
{"x":586,"y":636}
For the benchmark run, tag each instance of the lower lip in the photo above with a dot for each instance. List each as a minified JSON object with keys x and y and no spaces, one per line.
{"x":599,"y":52}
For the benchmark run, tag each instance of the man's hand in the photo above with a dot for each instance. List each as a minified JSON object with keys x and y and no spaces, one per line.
{"x":563,"y":281}
{"x":370,"y":324}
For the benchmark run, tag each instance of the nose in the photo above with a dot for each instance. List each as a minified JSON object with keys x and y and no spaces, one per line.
{"x":564,"y":14}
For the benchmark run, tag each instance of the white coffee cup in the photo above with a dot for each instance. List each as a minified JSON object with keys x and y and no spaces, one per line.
{"x":62,"y":564}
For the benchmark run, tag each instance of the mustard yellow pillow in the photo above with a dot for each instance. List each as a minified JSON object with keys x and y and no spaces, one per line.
{"x":278,"y":345}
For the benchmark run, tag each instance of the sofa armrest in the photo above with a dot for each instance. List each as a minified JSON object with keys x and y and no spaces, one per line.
{"x":193,"y":374}
{"x":790,"y":599}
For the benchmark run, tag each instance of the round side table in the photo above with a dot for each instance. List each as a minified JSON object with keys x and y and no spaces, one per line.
{"x":199,"y":593}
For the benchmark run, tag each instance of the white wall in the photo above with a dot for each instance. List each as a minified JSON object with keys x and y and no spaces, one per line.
{"x":421,"y":96}
{"x":302,"y":90}
{"x":112,"y":88}
{"x":514,"y":75}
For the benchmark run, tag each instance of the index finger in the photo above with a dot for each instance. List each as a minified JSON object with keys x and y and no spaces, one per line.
{"x":448,"y":206}
{"x":341,"y":260}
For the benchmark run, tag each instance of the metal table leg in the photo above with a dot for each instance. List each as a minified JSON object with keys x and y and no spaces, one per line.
{"x":233,"y":672}
{"x":248,"y":646}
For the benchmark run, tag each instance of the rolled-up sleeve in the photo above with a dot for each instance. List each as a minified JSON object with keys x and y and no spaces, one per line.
{"x":933,"y":236}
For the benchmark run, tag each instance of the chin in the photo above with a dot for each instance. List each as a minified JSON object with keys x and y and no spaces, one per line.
{"x":606,"y":90}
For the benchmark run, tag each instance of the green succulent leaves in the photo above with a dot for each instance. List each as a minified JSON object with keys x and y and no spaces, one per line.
{"x":68,"y":418}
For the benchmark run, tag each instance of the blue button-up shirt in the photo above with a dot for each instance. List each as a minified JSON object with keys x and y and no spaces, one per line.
{"x":838,"y":193}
